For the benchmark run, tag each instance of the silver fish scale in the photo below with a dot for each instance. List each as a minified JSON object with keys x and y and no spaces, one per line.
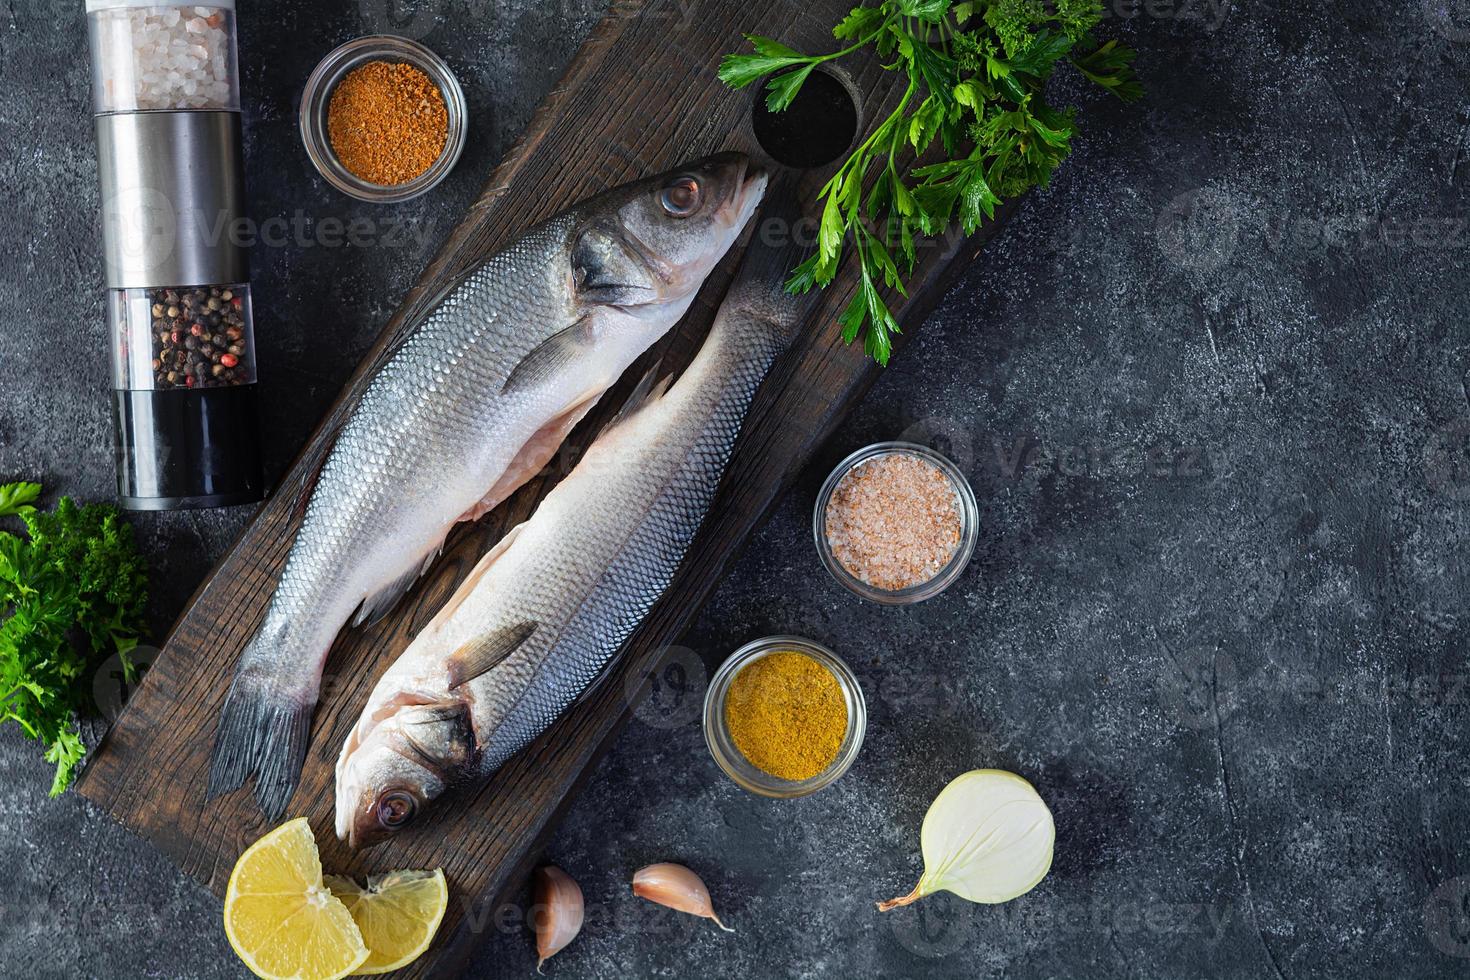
{"x":593,"y":593}
{"x":429,"y":406}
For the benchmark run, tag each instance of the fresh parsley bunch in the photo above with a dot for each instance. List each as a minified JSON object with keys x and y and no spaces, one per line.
{"x":976,"y":73}
{"x":72,"y":592}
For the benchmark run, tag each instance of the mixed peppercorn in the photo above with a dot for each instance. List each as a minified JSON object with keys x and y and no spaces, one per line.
{"x":199,"y":337}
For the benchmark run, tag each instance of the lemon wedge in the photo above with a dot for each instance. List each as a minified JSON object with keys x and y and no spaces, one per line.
{"x":281,"y":918}
{"x":397,"y":914}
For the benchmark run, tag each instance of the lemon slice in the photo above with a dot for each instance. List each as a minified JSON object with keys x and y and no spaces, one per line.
{"x":397,"y":914}
{"x":281,"y":918}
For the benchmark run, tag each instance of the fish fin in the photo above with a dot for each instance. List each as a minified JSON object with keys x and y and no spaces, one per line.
{"x":473,"y":579}
{"x":647,"y":390}
{"x":377,"y":605}
{"x":479,"y":655}
{"x":533,"y":456}
{"x":262,"y":734}
{"x":549,"y":356}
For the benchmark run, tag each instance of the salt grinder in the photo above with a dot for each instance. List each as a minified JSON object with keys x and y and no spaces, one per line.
{"x":166,"y":102}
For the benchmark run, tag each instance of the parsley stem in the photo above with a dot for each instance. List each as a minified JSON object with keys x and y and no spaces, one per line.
{"x":12,"y":716}
{"x":861,"y":43}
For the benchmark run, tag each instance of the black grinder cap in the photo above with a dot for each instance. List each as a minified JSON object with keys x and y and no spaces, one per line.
{"x":187,"y":448}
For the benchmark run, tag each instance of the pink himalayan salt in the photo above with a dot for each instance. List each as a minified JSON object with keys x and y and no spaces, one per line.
{"x":894,"y":521}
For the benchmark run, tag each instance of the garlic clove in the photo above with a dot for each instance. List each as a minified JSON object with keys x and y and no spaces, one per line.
{"x":678,"y":888}
{"x":557,"y":912}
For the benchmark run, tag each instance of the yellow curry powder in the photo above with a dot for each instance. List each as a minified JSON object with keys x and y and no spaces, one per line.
{"x":387,"y":122}
{"x":787,"y":715}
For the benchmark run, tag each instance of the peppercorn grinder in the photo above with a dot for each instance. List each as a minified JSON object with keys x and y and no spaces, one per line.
{"x":166,"y":106}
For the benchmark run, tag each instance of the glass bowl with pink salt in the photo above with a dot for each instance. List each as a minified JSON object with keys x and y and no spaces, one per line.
{"x":896,"y":523}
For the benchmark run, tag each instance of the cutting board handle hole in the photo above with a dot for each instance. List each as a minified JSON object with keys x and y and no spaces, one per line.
{"x":819,"y":126}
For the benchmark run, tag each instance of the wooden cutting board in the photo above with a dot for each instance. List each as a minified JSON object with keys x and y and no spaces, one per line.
{"x":640,"y":97}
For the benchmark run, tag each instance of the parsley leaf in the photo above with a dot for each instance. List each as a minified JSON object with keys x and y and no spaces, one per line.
{"x":72,"y":592}
{"x":977,"y":71}
{"x":1111,"y":67}
{"x":16,"y":498}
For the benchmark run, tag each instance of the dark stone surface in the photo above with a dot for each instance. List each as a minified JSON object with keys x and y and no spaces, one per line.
{"x":1210,"y":390}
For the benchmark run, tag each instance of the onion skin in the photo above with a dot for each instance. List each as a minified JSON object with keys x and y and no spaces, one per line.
{"x":558,"y":899}
{"x":675,"y":886}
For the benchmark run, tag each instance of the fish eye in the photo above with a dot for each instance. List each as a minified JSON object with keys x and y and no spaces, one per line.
{"x":396,"y":808}
{"x":682,"y":197}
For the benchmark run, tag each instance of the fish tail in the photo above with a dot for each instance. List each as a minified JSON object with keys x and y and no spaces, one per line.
{"x":262,"y":732}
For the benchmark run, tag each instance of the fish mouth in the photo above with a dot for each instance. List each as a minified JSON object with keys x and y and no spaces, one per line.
{"x":743,"y":192}
{"x":351,"y":824}
{"x":365,"y":832}
{"x":353,"y":795}
{"x":357,"y":820}
{"x":415,"y":745}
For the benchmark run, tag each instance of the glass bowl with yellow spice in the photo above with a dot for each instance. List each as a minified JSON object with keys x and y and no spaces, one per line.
{"x":784,"y":717}
{"x":383,"y":119}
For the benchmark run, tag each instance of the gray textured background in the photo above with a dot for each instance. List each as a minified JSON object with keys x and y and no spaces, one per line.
{"x":1210,"y":389}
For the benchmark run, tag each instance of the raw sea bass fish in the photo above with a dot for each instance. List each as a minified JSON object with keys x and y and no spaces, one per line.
{"x":473,"y":404}
{"x":541,"y":617}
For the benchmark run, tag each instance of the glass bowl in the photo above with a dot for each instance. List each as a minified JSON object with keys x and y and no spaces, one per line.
{"x":717,"y":734}
{"x":318,"y":94}
{"x":969,"y":512}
